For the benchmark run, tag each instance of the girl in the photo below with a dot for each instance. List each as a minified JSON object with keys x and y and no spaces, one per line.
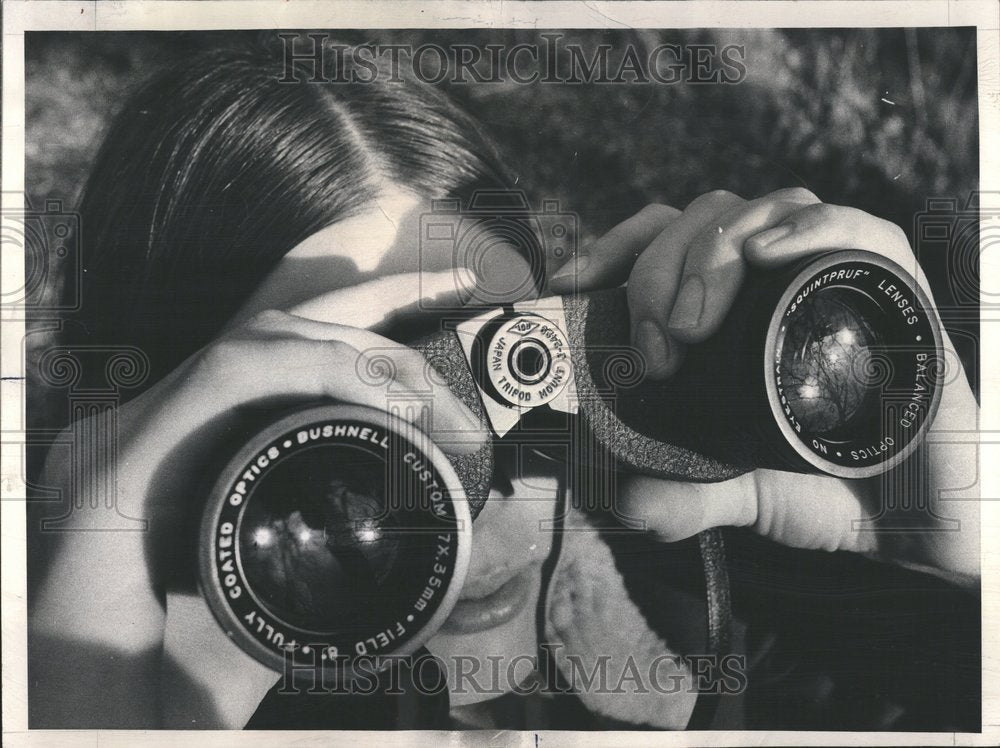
{"x":255,"y":238}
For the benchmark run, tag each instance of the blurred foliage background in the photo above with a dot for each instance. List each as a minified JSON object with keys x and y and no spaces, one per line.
{"x":881,"y":119}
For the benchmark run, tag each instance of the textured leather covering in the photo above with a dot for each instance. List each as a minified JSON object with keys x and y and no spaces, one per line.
{"x":443,"y":351}
{"x":605,"y":364}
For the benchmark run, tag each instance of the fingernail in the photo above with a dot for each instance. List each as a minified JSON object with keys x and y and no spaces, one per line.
{"x":690,"y":303}
{"x":651,"y":342}
{"x":575,"y":266}
{"x":766,"y":238}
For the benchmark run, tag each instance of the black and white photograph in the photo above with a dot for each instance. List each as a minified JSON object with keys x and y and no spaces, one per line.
{"x":509,"y":374}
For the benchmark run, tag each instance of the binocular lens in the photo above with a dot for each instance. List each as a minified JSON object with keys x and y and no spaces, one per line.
{"x":338,"y":532}
{"x":855,"y":361}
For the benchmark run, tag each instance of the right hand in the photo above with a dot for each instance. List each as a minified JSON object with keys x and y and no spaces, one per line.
{"x":100,"y":616}
{"x":708,"y":247}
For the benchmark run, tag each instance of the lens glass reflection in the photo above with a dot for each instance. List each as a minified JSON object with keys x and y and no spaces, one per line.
{"x":316,"y":542}
{"x":829,"y":375}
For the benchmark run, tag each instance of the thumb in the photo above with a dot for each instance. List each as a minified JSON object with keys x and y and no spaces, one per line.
{"x":799,"y":510}
{"x":674,"y":511}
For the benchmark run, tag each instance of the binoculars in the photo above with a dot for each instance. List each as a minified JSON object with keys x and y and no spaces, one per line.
{"x":337,"y":531}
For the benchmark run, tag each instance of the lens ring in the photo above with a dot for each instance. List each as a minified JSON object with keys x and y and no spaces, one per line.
{"x":906,"y":343}
{"x":529,"y":361}
{"x":253,"y":624}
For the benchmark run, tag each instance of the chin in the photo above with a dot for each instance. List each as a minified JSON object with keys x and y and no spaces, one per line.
{"x":488,"y":652}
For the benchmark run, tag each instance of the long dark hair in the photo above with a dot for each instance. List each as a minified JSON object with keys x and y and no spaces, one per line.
{"x":214,"y":170}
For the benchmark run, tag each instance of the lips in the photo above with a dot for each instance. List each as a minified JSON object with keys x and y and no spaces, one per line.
{"x":478,"y":612}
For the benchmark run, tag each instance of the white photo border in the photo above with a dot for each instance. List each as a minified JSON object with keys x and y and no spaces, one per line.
{"x":20,"y":16}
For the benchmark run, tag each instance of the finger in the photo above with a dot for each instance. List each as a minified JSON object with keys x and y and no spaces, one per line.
{"x":816,"y":512}
{"x":800,"y":510}
{"x":377,"y":355}
{"x":377,"y":304}
{"x":673,"y":510}
{"x":389,"y":377}
{"x":714,"y":265}
{"x":606,"y":263}
{"x":653,"y":281}
{"x":824,"y":227}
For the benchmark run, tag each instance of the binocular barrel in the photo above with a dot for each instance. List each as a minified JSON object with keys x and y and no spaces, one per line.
{"x":829,"y":366}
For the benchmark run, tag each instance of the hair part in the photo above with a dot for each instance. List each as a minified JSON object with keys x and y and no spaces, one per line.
{"x":214,"y":170}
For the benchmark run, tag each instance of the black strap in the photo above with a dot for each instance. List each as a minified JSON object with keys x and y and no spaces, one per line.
{"x":719,"y":614}
{"x":546,"y":662}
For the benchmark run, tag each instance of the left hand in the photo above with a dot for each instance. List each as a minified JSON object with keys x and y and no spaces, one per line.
{"x":683,"y":270}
